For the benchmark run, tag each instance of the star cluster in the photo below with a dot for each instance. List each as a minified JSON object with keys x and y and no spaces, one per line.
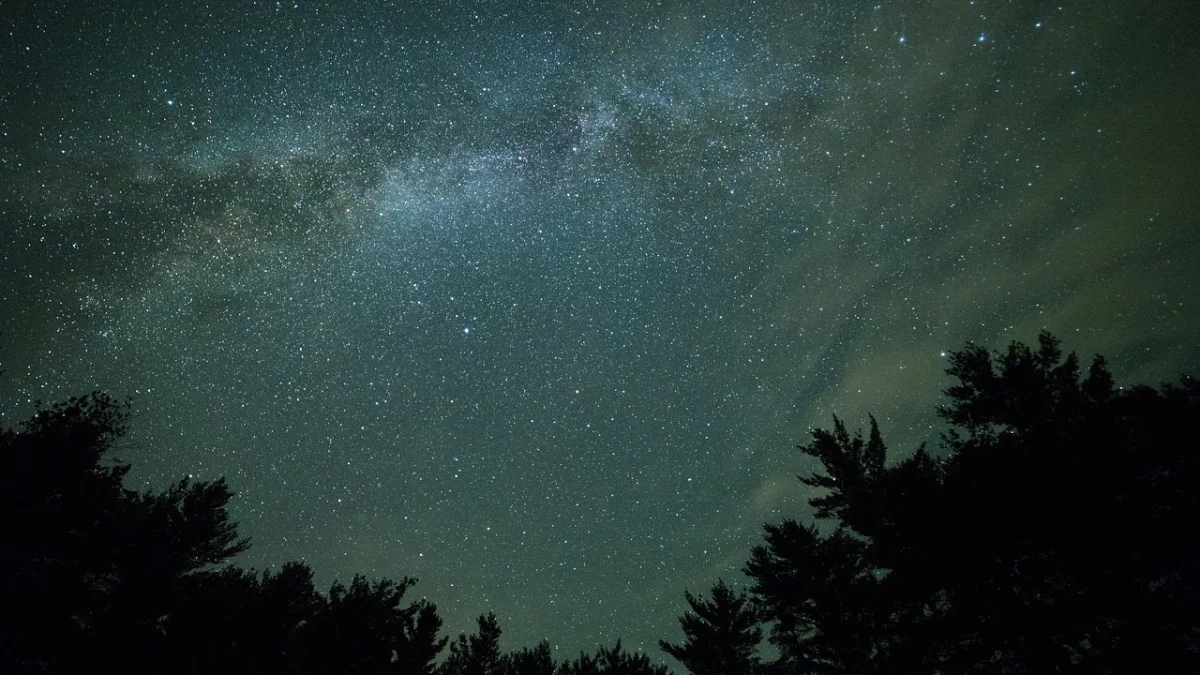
{"x":531,"y":300}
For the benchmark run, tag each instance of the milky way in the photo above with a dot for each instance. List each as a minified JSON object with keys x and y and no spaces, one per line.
{"x":531,"y":301}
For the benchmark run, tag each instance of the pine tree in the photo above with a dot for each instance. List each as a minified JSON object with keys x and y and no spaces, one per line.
{"x":1054,"y":535}
{"x":90,"y":569}
{"x":526,"y":661}
{"x":477,"y":654}
{"x":720,"y":635}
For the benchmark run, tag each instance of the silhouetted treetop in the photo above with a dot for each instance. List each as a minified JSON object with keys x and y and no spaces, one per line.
{"x":99,"y":578}
{"x":1055,"y":535}
{"x":851,"y":465}
{"x":477,"y":654}
{"x":612,"y":661}
{"x":1015,"y":390}
{"x":525,"y":661}
{"x":721,"y":634}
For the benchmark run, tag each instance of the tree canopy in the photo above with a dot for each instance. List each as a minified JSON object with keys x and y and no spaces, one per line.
{"x":1054,"y":534}
{"x":99,"y":578}
{"x":721,"y":634}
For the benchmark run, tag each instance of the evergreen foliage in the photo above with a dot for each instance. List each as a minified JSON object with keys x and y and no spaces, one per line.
{"x":1056,"y":535}
{"x":612,"y":661}
{"x":477,"y":654}
{"x":99,"y":578}
{"x":526,"y":661}
{"x":720,"y":634}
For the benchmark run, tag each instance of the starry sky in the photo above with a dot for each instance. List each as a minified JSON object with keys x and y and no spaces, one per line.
{"x":532,"y":300}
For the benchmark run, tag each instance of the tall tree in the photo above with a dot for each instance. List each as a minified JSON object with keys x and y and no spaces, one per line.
{"x":90,"y":567}
{"x":366,"y":628}
{"x":821,"y":596}
{"x":99,"y":578}
{"x":720,"y":634}
{"x":1054,"y":536}
{"x":233,"y":621}
{"x":59,"y":498}
{"x":477,"y":654}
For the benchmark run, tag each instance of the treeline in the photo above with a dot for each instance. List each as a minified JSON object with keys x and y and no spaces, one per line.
{"x":99,"y":578}
{"x":1055,"y":532}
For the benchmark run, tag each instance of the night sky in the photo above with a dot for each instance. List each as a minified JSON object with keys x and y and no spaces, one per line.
{"x":533,"y":300}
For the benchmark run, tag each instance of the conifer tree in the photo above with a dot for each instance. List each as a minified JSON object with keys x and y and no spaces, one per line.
{"x":1053,"y":534}
{"x":477,"y":654}
{"x":720,"y":634}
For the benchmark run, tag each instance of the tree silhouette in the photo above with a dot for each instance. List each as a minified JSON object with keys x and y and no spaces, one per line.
{"x":720,"y":635}
{"x":90,"y":567}
{"x":821,"y":596}
{"x":614,"y":661}
{"x":364,"y":628}
{"x":1055,"y":536}
{"x":231,"y":620}
{"x":60,"y":502}
{"x":98,"y":578}
{"x":526,"y":661}
{"x":477,"y":654}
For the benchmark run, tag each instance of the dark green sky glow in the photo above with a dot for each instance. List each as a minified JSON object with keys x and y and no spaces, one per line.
{"x":532,"y":300}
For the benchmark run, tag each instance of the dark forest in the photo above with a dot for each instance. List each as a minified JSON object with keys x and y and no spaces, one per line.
{"x":1051,"y":531}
